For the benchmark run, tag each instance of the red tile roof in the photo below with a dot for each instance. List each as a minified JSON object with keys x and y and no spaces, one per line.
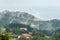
{"x":25,"y":35}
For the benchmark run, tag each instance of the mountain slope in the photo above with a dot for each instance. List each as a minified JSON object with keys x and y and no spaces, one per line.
{"x":8,"y":17}
{"x":19,"y":17}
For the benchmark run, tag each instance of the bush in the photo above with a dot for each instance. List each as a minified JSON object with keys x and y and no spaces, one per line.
{"x":4,"y":37}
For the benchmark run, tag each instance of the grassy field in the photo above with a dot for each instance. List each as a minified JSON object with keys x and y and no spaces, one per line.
{"x":12,"y":39}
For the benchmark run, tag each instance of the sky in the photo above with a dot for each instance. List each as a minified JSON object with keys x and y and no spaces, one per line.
{"x":44,"y":9}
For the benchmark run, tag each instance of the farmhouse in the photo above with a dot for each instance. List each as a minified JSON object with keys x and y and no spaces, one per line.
{"x":24,"y":35}
{"x":23,"y":29}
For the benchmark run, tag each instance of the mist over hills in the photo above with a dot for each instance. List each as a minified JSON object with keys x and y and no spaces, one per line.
{"x":7,"y":17}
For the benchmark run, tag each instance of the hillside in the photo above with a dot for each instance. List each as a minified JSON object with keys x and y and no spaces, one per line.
{"x":8,"y":17}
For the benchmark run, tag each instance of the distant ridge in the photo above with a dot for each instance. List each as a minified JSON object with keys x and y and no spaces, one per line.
{"x":8,"y":17}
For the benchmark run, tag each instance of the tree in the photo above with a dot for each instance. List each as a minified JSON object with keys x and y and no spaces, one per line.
{"x":57,"y":34}
{"x":4,"y":37}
